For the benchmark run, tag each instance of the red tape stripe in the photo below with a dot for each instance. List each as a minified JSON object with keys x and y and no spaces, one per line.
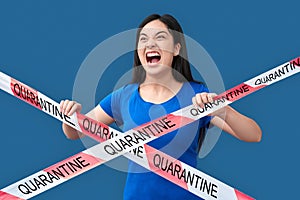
{"x":6,"y":196}
{"x":25,"y":93}
{"x":242,"y":196}
{"x":152,"y":155}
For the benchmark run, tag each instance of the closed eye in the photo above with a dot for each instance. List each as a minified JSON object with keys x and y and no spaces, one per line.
{"x":160,"y":37}
{"x":143,"y":39}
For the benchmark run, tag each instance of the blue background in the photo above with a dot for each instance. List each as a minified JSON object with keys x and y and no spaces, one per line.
{"x":43,"y":43}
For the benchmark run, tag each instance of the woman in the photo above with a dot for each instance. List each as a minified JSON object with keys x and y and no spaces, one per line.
{"x":162,"y":83}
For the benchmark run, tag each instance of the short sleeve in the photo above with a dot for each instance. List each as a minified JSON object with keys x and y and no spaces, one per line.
{"x":106,"y":105}
{"x":111,"y":105}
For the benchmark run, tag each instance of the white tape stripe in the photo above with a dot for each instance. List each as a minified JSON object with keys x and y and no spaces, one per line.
{"x":4,"y":80}
{"x":25,"y":184}
{"x":222,"y":190}
{"x":274,"y":75}
{"x":288,"y":75}
{"x":51,"y":176}
{"x":141,"y":158}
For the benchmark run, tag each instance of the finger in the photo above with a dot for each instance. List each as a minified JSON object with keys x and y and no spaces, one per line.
{"x":204,"y":97}
{"x":61,"y":105}
{"x":69,"y":106}
{"x":64,"y":106}
{"x":194,"y":102}
{"x":76,"y":108}
{"x":210,"y":98}
{"x":72,"y":110}
{"x":213,"y":95}
{"x":199,"y":100}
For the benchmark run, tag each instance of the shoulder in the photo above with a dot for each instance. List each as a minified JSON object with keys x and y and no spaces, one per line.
{"x":119,"y":94}
{"x":130,"y":87}
{"x":124,"y":92}
{"x":126,"y":89}
{"x":112,"y":104}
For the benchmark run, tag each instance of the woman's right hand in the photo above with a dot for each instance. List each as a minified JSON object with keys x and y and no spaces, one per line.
{"x":68,"y":107}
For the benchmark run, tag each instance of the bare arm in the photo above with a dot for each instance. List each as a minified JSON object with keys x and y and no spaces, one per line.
{"x":238,"y":125}
{"x":69,"y":107}
{"x":231,"y":121}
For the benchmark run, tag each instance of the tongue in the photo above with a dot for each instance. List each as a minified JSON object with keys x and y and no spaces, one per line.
{"x":154,"y":60}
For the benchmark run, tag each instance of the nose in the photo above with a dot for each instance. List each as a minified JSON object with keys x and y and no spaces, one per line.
{"x":151,"y":43}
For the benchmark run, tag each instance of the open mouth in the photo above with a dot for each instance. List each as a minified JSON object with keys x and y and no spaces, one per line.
{"x":153,"y":57}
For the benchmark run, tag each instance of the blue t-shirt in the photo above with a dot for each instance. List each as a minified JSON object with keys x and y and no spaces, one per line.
{"x":129,"y":110}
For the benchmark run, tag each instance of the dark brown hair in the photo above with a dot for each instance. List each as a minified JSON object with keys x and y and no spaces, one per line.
{"x":180,"y":62}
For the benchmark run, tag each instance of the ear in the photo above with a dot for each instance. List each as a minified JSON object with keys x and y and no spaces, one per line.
{"x":177,"y":49}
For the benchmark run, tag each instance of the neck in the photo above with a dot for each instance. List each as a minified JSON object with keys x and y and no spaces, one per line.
{"x":161,"y":82}
{"x":159,"y":89}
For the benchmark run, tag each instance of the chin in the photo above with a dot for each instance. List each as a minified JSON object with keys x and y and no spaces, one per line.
{"x":157,"y":70}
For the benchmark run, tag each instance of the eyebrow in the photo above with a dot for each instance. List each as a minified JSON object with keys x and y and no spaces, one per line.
{"x":159,"y":32}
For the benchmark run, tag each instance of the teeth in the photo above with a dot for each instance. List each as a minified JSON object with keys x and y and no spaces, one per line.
{"x":152,"y":54}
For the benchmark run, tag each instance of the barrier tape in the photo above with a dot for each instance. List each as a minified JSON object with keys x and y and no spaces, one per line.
{"x":178,"y":172}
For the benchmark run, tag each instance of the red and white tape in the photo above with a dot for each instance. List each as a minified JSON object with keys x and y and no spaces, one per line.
{"x":178,"y":172}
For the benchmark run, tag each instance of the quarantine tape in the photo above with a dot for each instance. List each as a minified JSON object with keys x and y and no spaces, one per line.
{"x":179,"y":173}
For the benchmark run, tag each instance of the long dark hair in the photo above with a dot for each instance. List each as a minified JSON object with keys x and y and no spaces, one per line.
{"x":180,"y":62}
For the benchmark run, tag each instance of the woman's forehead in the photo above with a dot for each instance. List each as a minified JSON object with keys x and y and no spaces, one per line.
{"x":154,"y":27}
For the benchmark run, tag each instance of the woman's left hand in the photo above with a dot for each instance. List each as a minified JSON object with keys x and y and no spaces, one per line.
{"x":229,"y":120}
{"x":200,"y":99}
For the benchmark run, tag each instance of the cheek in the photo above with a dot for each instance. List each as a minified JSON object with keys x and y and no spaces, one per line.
{"x":141,"y":45}
{"x":141,"y":55}
{"x":167,"y":58}
{"x":166,"y":46}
